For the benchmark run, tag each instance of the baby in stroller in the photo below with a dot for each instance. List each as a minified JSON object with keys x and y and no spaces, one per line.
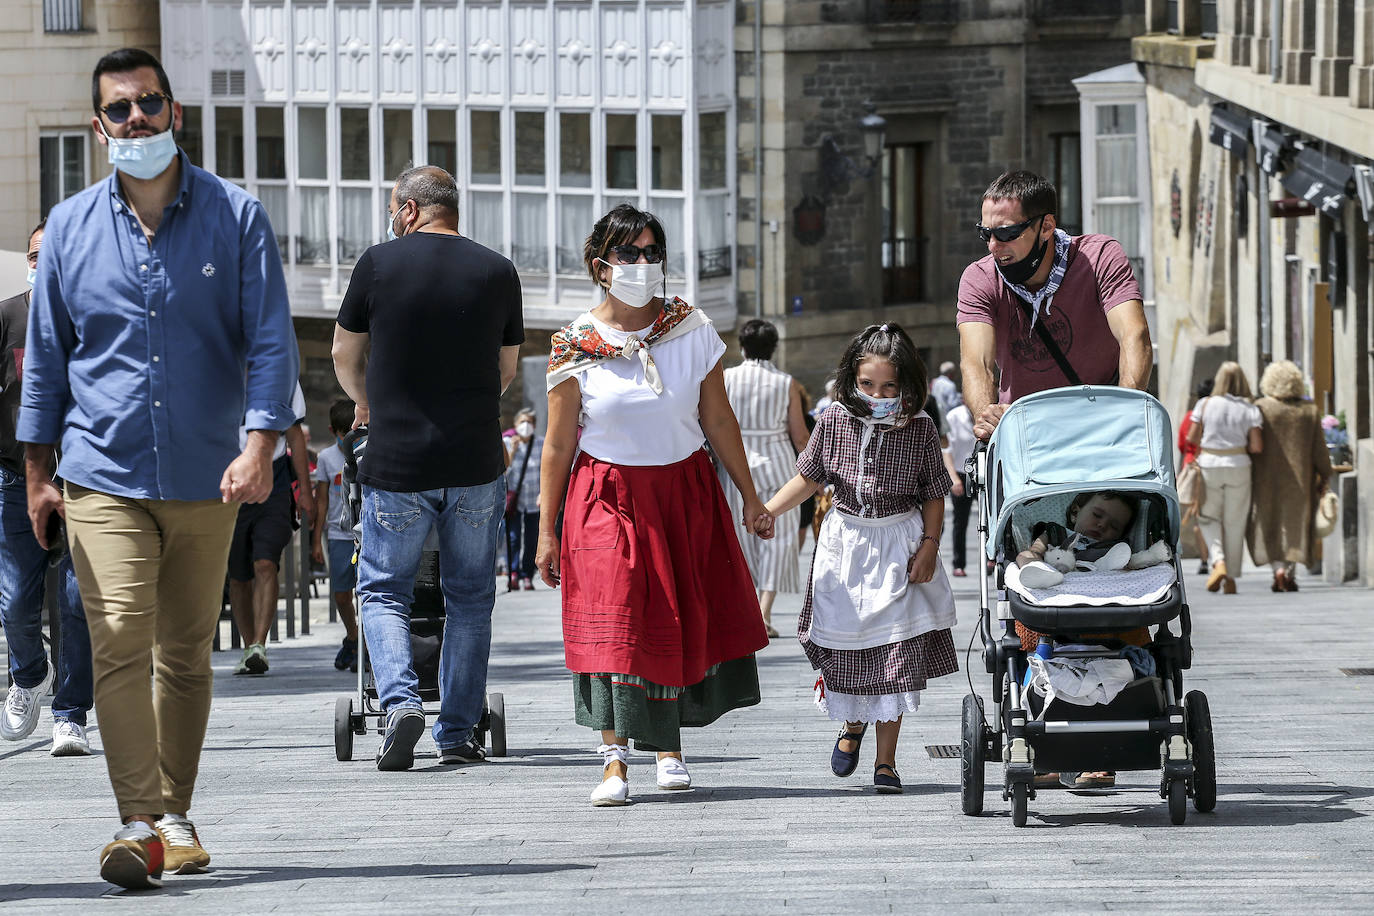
{"x":1097,"y":523}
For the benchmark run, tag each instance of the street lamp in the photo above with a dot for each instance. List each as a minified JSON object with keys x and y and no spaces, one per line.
{"x":873,"y":126}
{"x":837,"y":169}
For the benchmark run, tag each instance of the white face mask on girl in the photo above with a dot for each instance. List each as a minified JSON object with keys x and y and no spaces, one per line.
{"x":636,"y":285}
{"x":882,"y":407}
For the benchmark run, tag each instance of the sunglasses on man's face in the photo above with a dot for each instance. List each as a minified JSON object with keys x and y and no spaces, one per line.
{"x":150,"y":103}
{"x":1005,"y":233}
{"x":629,"y":254}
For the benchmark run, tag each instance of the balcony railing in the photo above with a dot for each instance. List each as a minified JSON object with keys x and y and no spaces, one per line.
{"x":912,"y":12}
{"x":62,"y":16}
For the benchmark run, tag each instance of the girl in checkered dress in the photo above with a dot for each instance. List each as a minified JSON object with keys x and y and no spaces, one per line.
{"x":878,"y":610}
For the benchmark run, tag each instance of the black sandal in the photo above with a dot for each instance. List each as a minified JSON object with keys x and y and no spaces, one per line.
{"x":886,"y":785}
{"x":843,"y":763}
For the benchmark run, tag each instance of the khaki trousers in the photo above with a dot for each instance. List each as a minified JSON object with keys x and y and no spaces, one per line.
{"x":151,"y":574}
{"x":1224,"y":513}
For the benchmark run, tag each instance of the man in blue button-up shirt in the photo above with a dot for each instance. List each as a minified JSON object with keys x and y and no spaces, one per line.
{"x":159,"y":322}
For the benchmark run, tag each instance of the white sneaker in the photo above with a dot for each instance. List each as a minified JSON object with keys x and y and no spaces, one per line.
{"x":672,"y":774}
{"x":69,"y":740}
{"x":22,"y":706}
{"x":613,"y":790}
{"x":1038,"y":574}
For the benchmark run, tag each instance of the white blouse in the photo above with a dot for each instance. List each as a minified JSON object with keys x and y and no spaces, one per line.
{"x":624,"y":422}
{"x":1226,"y":424}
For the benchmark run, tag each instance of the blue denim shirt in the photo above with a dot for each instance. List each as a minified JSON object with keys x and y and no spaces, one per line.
{"x":143,"y":360}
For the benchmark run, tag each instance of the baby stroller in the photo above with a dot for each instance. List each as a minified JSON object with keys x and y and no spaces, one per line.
{"x":426,"y":640}
{"x":1048,"y":448}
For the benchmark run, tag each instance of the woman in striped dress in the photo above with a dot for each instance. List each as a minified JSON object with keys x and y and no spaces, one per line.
{"x":768,"y":403}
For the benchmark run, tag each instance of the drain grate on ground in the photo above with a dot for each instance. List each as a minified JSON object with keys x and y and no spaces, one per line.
{"x":943,"y":751}
{"x":1358,"y":672}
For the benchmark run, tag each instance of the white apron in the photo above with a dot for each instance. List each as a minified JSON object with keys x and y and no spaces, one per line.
{"x":860,"y":596}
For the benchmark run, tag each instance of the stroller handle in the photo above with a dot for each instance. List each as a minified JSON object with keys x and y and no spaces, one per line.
{"x":350,"y":457}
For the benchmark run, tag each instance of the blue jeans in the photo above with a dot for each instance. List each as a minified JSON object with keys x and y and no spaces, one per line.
{"x":23,"y":565}
{"x":520,"y":556}
{"x":395,"y":528}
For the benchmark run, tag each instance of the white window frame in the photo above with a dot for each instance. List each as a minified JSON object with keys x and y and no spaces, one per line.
{"x":62,"y":136}
{"x":1095,"y":96}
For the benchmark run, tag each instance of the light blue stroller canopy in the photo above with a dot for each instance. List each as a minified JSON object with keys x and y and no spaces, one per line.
{"x":1071,"y":440}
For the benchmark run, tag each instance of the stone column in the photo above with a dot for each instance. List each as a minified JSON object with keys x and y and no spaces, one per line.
{"x":1233,"y":32}
{"x":1362,"y":72}
{"x":1156,"y":16}
{"x":1262,"y":35}
{"x":1299,"y":38}
{"x":1335,"y":47}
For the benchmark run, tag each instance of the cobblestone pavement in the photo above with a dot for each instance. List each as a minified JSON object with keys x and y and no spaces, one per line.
{"x":767,"y":829}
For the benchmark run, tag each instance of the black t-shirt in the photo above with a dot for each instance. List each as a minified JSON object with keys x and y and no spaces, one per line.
{"x":439,"y":308}
{"x":14,"y":323}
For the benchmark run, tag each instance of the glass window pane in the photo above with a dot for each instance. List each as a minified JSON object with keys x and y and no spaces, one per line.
{"x":1115,"y":119}
{"x":574,"y":225}
{"x":575,"y":150}
{"x":396,"y":142}
{"x":713,"y":246}
{"x":486,"y":221}
{"x":621,"y":149}
{"x":312,"y":245}
{"x":49,"y":173}
{"x":1122,"y":222}
{"x":442,"y":139}
{"x":1116,"y":167}
{"x":1068,"y":179}
{"x":73,"y":165}
{"x":311,"y":149}
{"x":529,"y":147}
{"x":530,"y":234}
{"x":191,"y":138}
{"x":274,"y":201}
{"x":486,"y":147}
{"x":669,"y":212}
{"x":229,"y":142}
{"x":711,"y":143}
{"x":355,"y":160}
{"x":271,"y":143}
{"x":667,"y":148}
{"x":355,"y":223}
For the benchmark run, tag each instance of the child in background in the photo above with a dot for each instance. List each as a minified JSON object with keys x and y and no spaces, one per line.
{"x":878,"y":610}
{"x":333,"y":525}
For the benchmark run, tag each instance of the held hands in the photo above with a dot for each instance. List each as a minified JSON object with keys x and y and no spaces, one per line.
{"x":546,"y":560}
{"x":757,"y":519}
{"x":988,"y":420}
{"x":921,"y":567}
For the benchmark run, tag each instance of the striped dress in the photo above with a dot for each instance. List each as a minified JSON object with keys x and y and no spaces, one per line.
{"x":760,"y":392}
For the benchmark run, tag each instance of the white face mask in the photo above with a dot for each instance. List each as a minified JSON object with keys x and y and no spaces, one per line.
{"x":33,"y":276}
{"x":142,"y":157}
{"x":636,"y":285}
{"x":524,"y":429}
{"x":882,"y":407}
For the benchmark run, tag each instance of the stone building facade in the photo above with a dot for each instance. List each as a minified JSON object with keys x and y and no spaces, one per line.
{"x":829,"y":242}
{"x":1262,"y":139}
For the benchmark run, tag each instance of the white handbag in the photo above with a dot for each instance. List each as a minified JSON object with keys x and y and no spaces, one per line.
{"x":1328,"y":511}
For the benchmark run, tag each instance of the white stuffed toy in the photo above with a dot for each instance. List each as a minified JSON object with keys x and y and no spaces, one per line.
{"x":1058,"y":561}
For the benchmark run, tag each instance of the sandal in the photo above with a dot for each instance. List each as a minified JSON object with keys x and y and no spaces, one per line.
{"x":843,"y":763}
{"x":886,"y":785}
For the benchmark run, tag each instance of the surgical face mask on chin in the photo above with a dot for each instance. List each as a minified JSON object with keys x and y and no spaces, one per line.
{"x":882,"y":408}
{"x":33,"y":276}
{"x":636,"y":285}
{"x":142,"y":157}
{"x":1019,"y":272}
{"x":524,"y":430}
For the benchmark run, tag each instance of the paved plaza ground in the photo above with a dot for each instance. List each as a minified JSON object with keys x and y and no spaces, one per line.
{"x":767,"y":828}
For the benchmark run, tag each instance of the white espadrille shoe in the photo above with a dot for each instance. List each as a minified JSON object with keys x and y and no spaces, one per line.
{"x":672,"y":774}
{"x":614,"y":790}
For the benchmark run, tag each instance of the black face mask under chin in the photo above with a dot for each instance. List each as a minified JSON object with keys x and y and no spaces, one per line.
{"x":1018,"y":272}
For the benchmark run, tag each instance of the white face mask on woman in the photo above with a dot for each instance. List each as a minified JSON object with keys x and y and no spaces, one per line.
{"x":636,"y":285}
{"x":524,"y":429}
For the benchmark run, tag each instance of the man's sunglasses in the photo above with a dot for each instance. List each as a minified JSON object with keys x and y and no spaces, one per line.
{"x":629,"y":254}
{"x":1006,"y":233}
{"x":150,"y":103}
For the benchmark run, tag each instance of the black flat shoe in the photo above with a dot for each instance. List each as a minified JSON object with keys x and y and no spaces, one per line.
{"x":885,"y":784}
{"x":842,"y":763}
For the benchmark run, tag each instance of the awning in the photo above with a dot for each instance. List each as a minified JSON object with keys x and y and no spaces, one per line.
{"x":1320,"y":180}
{"x":1275,"y":149}
{"x":1230,"y":131}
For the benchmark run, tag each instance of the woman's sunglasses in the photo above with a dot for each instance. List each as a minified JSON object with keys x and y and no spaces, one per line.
{"x":150,"y":103}
{"x":1006,"y":233}
{"x":629,"y":254}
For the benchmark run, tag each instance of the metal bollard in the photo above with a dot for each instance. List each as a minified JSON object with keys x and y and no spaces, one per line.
{"x":290,"y":589}
{"x":307,"y":579}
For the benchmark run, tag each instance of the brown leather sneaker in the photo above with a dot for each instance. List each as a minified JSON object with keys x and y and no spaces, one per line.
{"x":133,"y":860}
{"x":185,"y":855}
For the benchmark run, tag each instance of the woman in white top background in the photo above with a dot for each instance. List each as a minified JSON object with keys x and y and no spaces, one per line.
{"x":768,"y":404}
{"x":660,"y":619}
{"x":1231,"y":433}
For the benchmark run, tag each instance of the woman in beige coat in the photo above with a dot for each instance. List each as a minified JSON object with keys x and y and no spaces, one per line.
{"x":1288,"y":476}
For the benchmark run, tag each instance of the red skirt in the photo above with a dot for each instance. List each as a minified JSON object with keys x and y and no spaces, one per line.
{"x":653,"y":580}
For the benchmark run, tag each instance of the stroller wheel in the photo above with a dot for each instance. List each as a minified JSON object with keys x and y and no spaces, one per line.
{"x":1199,"y":719}
{"x":343,"y":728}
{"x":496,"y":722}
{"x":1018,"y":804}
{"x":971,"y":750}
{"x":1178,"y":801}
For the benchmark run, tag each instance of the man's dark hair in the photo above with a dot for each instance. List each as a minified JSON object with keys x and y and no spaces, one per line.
{"x":1035,"y":194}
{"x":37,"y":229}
{"x":889,"y":342}
{"x":619,"y":227}
{"x":122,"y":61}
{"x":341,"y":415}
{"x":429,"y":186}
{"x":758,"y":339}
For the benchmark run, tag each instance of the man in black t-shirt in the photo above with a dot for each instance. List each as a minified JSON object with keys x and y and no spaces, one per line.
{"x":428,"y":338}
